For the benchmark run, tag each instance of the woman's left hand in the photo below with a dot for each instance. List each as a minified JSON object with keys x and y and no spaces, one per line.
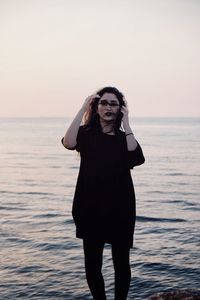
{"x":124,"y":110}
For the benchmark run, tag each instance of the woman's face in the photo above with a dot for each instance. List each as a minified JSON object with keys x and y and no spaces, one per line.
{"x":108,"y":107}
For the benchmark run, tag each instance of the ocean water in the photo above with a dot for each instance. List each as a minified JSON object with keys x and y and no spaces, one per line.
{"x":40,"y":256}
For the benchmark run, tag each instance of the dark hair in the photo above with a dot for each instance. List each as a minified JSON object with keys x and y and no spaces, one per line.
{"x":91,"y":118}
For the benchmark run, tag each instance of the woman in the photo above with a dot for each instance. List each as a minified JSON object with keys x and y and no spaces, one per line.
{"x":104,"y":200}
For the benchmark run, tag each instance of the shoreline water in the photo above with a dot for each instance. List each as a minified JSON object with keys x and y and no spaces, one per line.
{"x":42,"y":259}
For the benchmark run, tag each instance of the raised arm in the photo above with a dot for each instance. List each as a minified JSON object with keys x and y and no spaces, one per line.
{"x":69,"y":140}
{"x":130,"y":138}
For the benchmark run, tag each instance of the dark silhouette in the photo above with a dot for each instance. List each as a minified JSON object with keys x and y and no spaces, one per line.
{"x":104,"y":200}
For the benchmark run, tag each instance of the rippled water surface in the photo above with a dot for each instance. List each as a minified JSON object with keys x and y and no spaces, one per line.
{"x":40,"y":256}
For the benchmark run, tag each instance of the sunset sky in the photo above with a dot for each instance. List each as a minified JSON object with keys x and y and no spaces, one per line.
{"x":54,"y":53}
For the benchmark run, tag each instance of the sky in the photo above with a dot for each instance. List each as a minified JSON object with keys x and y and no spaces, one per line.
{"x":54,"y":53}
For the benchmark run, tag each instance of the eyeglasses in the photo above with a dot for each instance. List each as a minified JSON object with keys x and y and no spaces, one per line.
{"x":105,"y":103}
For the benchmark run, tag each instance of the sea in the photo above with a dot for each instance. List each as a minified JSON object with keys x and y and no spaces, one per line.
{"x":40,"y":256}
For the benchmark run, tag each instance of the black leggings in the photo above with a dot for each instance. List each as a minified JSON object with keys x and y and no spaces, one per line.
{"x":93,"y":263}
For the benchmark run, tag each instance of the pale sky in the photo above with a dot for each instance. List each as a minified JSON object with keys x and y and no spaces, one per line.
{"x":54,"y":53}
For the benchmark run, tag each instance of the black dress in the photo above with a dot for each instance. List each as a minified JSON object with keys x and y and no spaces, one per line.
{"x":104,"y":201}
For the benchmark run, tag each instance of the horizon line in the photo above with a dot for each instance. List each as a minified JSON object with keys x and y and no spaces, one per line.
{"x":70,"y":117}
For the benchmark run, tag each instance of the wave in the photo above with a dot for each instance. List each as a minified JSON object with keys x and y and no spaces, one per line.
{"x":6,"y":207}
{"x":162,"y":220}
{"x":48,"y":215}
{"x":27,"y":193}
{"x":171,"y":269}
{"x":175,"y":174}
{"x":174,"y":192}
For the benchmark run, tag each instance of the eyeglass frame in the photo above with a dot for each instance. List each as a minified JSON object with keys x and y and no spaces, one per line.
{"x":107,"y":103}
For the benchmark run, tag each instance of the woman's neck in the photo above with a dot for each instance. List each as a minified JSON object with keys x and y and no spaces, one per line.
{"x":107,"y":127}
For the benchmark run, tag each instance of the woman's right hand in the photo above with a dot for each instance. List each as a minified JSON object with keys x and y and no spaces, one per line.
{"x":88,"y":101}
{"x":70,"y":138}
